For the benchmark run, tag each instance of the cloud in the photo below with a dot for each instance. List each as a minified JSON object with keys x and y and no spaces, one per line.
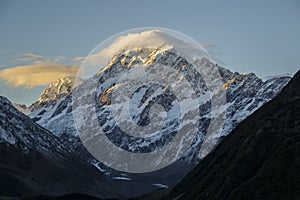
{"x":79,"y":58}
{"x":37,"y":73}
{"x":34,"y":55}
{"x":26,"y":57}
{"x":38,"y":70}
{"x":146,"y":39}
{"x":130,"y":41}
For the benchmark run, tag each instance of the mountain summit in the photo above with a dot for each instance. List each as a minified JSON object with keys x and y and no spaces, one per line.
{"x":245,"y":93}
{"x":55,"y":91}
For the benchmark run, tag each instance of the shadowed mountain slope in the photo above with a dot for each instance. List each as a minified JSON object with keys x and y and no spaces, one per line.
{"x":259,"y":159}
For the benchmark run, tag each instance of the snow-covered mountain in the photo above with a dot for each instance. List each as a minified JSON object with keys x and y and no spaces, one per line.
{"x":19,"y":130}
{"x":257,"y":160}
{"x":244,"y":94}
{"x":54,"y":110}
{"x":56,"y":90}
{"x":22,"y":108}
{"x":55,"y":98}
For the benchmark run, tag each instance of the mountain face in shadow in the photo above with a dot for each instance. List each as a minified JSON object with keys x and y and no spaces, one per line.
{"x":259,"y":159}
{"x":33,"y":161}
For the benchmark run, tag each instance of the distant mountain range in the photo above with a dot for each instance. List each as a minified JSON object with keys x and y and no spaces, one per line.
{"x":244,"y":94}
{"x":41,"y":152}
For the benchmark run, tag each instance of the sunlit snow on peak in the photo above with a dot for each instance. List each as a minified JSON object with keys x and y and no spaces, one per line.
{"x":138,"y":39}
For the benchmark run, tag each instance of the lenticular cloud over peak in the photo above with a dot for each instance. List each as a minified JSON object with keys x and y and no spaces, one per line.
{"x":158,"y":38}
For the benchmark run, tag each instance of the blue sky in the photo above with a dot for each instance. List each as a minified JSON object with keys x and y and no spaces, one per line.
{"x":246,"y":36}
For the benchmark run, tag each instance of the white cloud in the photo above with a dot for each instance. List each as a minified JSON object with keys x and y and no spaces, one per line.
{"x":34,"y":55}
{"x":26,"y":57}
{"x":79,"y":58}
{"x":148,"y":39}
{"x":36,"y":74}
{"x":38,"y":70}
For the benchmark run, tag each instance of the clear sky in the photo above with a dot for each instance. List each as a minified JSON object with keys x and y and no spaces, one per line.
{"x":246,"y":36}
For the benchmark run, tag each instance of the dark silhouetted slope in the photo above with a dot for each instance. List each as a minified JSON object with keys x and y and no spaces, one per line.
{"x":33,"y":161}
{"x":64,"y":197}
{"x":260,"y":159}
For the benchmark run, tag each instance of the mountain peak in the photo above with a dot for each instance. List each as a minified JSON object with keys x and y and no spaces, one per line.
{"x":57,"y":90}
{"x":141,"y":43}
{"x":4,"y":100}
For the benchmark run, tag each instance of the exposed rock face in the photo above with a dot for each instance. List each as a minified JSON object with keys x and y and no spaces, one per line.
{"x":244,"y":94}
{"x":55,"y":91}
{"x":259,"y":159}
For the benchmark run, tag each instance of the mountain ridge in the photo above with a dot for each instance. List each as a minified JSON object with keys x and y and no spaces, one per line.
{"x":259,"y":159}
{"x":245,"y":93}
{"x":248,"y":86}
{"x":34,"y":161}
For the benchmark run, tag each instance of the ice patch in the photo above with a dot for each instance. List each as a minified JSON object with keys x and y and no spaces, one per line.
{"x":162,"y":186}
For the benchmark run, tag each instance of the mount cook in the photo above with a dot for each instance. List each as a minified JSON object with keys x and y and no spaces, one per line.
{"x":245,"y":93}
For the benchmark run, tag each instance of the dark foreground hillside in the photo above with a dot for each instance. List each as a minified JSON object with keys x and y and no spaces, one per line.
{"x":259,"y":160}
